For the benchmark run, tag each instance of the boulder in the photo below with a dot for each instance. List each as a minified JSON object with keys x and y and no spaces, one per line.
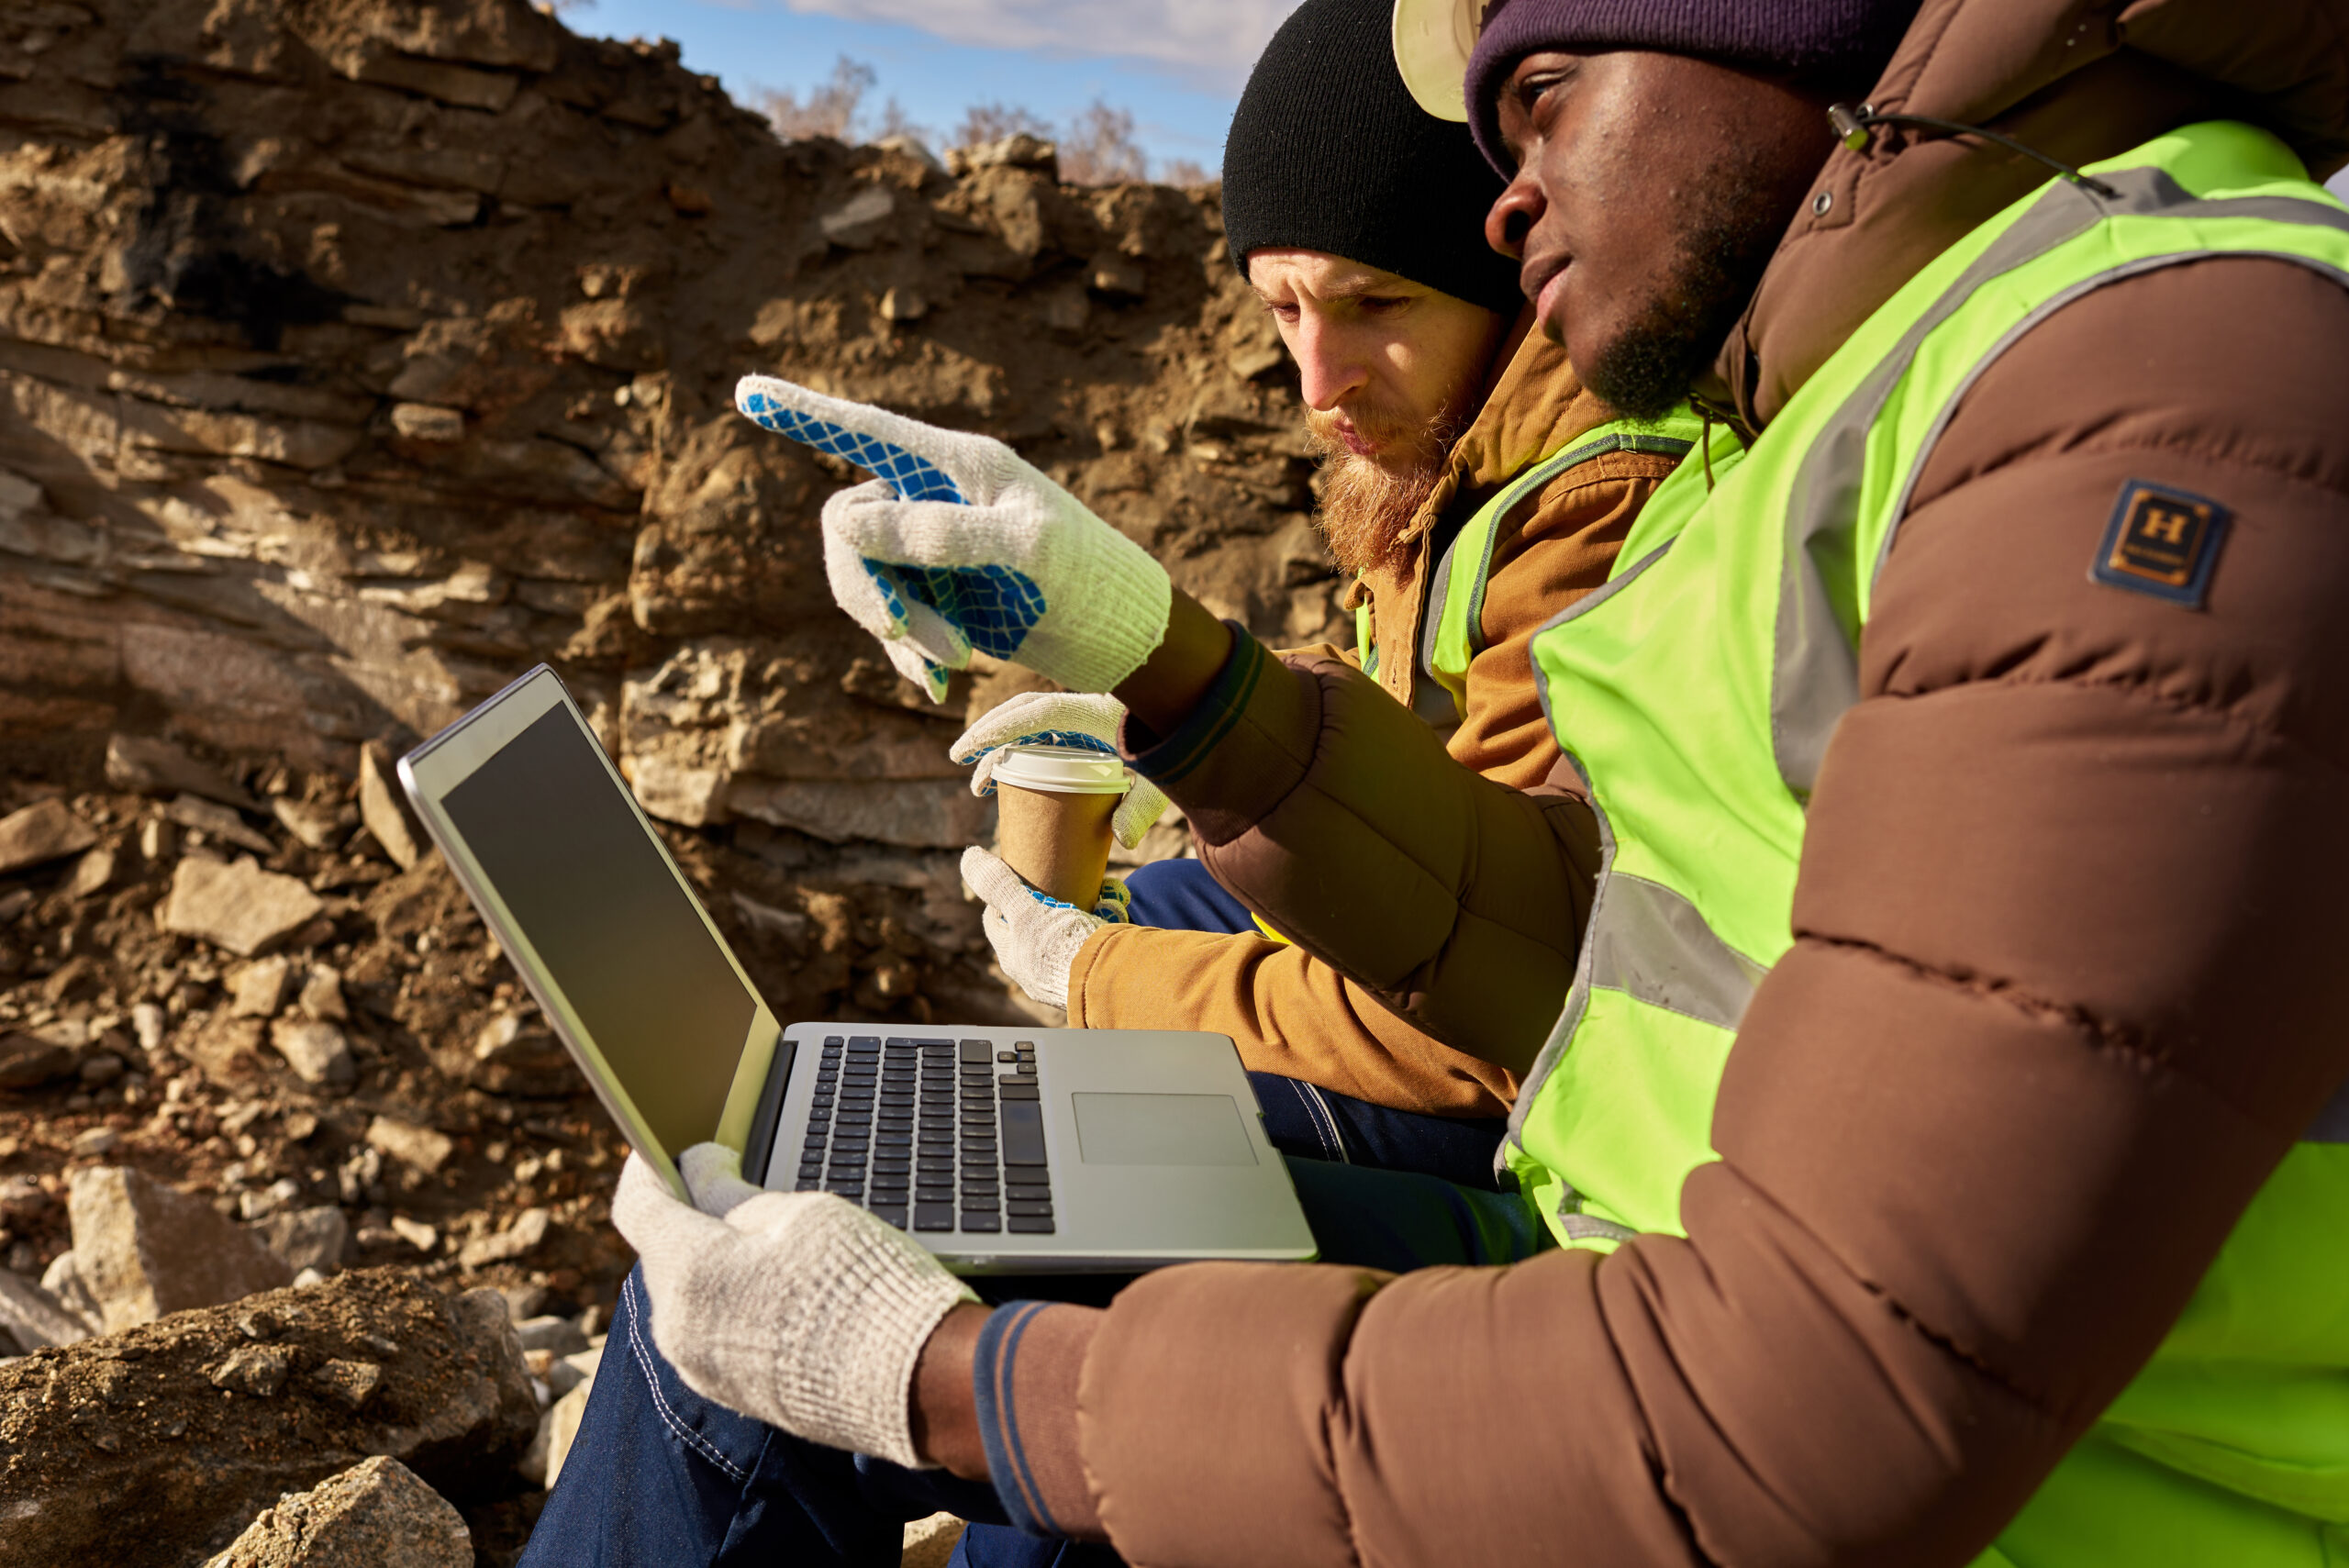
{"x":258,"y":990}
{"x":41,"y":833}
{"x":321,"y":995}
{"x":417,"y":1147}
{"x":62,"y":1280}
{"x":148,"y":766}
{"x":227,"y":1048}
{"x":517,"y":1059}
{"x":519,"y":1241}
{"x":33,"y":1317}
{"x":145,"y":1250}
{"x":381,"y":808}
{"x":30,"y":1058}
{"x":317,"y":1052}
{"x":319,"y":826}
{"x":222,"y":823}
{"x":377,"y":1514}
{"x":238,"y":907}
{"x":376,"y":1363}
{"x":307,"y":1238}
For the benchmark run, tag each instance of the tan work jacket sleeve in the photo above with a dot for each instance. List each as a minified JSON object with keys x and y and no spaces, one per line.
{"x":1291,"y":1012}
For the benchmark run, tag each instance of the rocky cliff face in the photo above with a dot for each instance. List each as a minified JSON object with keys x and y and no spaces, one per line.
{"x":356,"y":355}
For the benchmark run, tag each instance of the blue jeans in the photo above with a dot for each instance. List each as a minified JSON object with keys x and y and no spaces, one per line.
{"x":660,"y":1477}
{"x":1305,"y":1119}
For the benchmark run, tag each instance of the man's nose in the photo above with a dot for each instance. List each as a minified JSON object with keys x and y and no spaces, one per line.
{"x":1512,"y":217}
{"x":1329,"y":367}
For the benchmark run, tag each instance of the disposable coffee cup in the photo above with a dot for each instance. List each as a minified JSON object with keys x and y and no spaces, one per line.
{"x":1052,"y":810}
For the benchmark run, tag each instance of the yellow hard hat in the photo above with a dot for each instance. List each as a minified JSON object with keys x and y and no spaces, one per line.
{"x":1433,"y":41}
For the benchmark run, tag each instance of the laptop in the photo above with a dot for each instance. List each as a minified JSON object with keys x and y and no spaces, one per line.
{"x":1002,"y":1150}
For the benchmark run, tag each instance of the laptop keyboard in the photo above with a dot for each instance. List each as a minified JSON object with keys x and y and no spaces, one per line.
{"x":931,"y":1134}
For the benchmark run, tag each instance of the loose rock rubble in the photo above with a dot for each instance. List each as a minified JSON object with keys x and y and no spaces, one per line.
{"x":374,"y":1515}
{"x":201,"y":1419}
{"x":354,"y":356}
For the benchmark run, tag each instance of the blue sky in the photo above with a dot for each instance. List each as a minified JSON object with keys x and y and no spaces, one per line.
{"x":1177,"y":65}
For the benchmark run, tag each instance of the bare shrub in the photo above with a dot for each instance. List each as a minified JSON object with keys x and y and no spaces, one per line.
{"x":992,"y":122}
{"x":1098,"y":148}
{"x":828,"y":110}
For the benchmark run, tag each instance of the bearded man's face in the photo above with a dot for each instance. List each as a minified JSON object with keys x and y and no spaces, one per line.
{"x":1391,"y":371}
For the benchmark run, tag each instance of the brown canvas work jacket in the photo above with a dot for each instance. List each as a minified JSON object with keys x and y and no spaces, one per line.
{"x":1290,"y":1012}
{"x":2066,"y":982}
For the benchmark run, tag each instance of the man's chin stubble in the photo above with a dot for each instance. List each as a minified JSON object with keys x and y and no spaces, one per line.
{"x":1649,"y":369}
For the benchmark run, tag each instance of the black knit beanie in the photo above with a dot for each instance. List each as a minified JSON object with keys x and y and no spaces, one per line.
{"x":1329,"y":152}
{"x":1832,"y":40}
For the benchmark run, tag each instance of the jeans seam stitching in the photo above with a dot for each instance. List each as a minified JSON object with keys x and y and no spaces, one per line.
{"x":1336,"y":1141}
{"x":660,"y":1407}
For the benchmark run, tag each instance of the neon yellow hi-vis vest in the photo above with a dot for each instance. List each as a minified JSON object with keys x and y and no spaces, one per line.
{"x":1695,"y":692}
{"x":1452,"y":631}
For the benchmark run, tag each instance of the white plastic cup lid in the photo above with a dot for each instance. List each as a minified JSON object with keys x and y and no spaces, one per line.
{"x":1061,"y":770}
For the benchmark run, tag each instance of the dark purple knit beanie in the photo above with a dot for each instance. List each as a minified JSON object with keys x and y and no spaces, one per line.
{"x":1835,"y":41}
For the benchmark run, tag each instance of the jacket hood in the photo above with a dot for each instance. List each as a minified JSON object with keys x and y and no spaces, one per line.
{"x":2080,"y":81}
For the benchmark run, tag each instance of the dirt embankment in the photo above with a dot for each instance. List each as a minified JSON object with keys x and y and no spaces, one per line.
{"x":355,"y":356}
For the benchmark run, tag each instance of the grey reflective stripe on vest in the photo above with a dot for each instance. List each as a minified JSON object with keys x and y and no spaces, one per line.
{"x":1642,"y":939}
{"x":1655,"y":947}
{"x":1817,"y":658}
{"x":1527,"y":484}
{"x":2332,"y":1124}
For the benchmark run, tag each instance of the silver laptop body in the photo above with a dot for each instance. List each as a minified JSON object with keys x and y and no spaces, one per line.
{"x":1000,"y":1149}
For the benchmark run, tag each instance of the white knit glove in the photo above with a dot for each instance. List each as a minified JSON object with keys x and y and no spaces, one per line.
{"x":960,"y":544}
{"x":1035,"y":935}
{"x":798,"y":1308}
{"x":1060,"y":719}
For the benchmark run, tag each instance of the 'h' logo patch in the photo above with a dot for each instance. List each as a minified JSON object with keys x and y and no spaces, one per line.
{"x":2162,"y":541}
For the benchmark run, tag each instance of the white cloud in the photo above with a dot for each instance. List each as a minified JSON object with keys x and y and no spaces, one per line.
{"x":1210,"y":43}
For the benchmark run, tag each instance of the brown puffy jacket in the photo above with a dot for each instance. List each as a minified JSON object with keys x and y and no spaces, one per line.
{"x":1289,"y":1011}
{"x":2066,"y":979}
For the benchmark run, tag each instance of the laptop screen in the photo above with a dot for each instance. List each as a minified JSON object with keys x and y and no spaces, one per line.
{"x":593,"y":892}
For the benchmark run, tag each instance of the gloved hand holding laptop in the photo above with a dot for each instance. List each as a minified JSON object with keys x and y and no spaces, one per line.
{"x":799,"y":1309}
{"x":962,"y":544}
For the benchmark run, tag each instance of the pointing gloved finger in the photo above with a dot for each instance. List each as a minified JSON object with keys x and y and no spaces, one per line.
{"x":917,"y":460}
{"x":713,"y":1174}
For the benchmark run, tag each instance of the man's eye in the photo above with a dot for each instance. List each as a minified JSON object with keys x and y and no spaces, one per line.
{"x":1283,"y":313}
{"x":1382,"y":304}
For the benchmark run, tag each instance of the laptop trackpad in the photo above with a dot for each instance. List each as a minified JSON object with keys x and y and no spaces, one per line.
{"x":1162,"y":1129}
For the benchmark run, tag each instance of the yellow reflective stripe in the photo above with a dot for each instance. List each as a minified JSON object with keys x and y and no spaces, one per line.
{"x":1365,"y":641}
{"x":1268,"y":930}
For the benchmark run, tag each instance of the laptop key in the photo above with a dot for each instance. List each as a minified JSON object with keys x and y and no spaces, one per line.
{"x":1023,"y":1133}
{"x":1027,"y":1210}
{"x":933,"y":1217}
{"x":809,"y":1187}
{"x":892,"y":1212}
{"x":979,"y":1203}
{"x":1026,"y":1091}
{"x":976,"y":1224}
{"x":981,"y":1050}
{"x":1020,"y":1226}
